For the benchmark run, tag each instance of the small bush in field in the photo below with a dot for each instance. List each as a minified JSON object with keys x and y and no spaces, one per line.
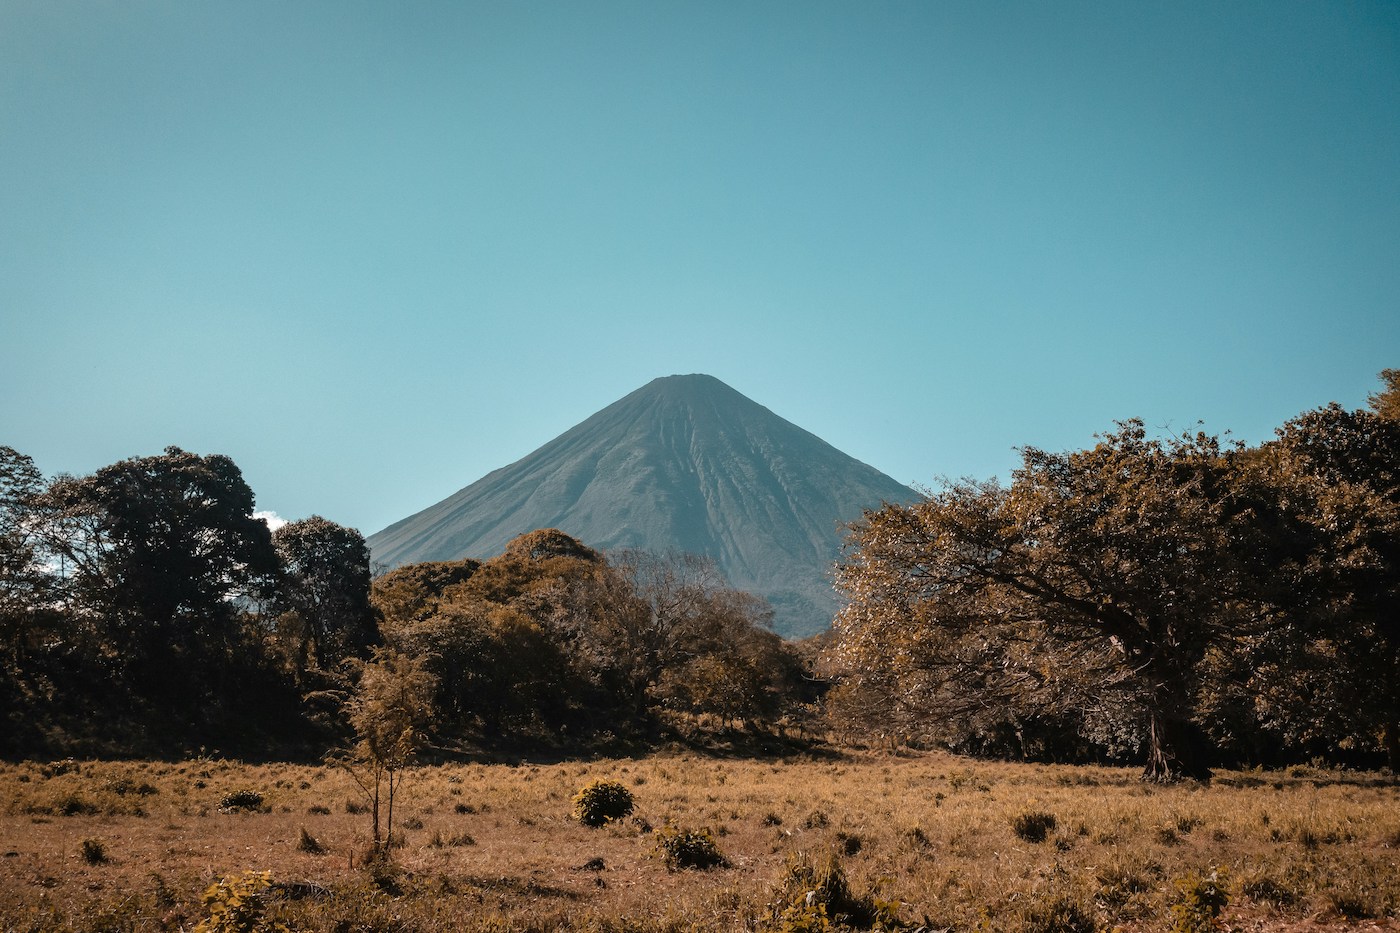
{"x":1199,"y":901}
{"x":689,"y":848}
{"x":241,"y":800}
{"x":1033,"y":825}
{"x":93,"y":851}
{"x":816,"y":896}
{"x":602,"y":802}
{"x":235,"y":905}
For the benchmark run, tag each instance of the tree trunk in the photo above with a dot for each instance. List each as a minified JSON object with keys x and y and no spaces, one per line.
{"x":1172,"y":754}
{"x":1390,"y":741}
{"x":375,"y":805}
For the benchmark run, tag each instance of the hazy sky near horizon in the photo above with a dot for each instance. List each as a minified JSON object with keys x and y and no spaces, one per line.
{"x":373,"y":251}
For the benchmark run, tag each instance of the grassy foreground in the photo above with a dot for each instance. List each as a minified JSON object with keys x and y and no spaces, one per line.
{"x":134,"y":846}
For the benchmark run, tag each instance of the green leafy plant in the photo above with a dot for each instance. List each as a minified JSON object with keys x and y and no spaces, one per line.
{"x":236,"y":905}
{"x":602,"y":802}
{"x":1199,"y":901}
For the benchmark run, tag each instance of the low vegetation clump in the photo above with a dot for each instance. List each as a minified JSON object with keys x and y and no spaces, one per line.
{"x":602,"y":802}
{"x":237,"y":905}
{"x":243,"y":799}
{"x":816,"y":895}
{"x":689,"y":848}
{"x":309,"y":844}
{"x":1034,"y":825}
{"x":1200,"y":899}
{"x":93,"y":851}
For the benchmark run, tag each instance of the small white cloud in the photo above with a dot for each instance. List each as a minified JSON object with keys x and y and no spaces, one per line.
{"x":274,"y":521}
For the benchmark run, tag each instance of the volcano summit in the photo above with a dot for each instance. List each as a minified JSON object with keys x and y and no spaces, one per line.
{"x":684,"y":463}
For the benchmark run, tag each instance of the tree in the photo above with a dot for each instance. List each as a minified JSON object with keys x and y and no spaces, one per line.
{"x":158,"y":549}
{"x":27,"y":588}
{"x":1386,"y":403}
{"x":488,"y":634}
{"x":388,"y":711}
{"x":1097,"y":580}
{"x":324,"y":588}
{"x":1339,"y":472}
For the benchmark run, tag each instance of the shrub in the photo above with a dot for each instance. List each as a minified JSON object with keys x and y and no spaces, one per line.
{"x":236,"y":905}
{"x":602,"y":802}
{"x":689,"y":848}
{"x":241,"y":800}
{"x":1033,"y":825}
{"x":803,"y":918}
{"x":817,"y":897}
{"x":93,"y":851}
{"x":1200,"y":899}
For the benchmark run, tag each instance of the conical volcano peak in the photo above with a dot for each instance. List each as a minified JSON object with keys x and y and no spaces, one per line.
{"x":684,"y":463}
{"x":692,"y":387}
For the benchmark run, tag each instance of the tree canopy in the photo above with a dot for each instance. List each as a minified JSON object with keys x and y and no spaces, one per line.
{"x":1146,"y":591}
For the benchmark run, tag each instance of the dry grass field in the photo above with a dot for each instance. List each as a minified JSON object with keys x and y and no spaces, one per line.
{"x":100,"y":846}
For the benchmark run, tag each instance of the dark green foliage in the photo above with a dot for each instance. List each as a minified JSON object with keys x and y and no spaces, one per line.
{"x":323,"y":592}
{"x":602,"y":802}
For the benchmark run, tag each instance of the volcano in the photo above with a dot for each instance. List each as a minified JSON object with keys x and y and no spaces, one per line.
{"x":685,"y":463}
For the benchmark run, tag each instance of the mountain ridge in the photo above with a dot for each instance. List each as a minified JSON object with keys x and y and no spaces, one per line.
{"x":682,"y":463}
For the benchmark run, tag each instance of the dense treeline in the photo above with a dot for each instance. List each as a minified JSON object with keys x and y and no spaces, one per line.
{"x":144,"y":609}
{"x":1178,"y":598}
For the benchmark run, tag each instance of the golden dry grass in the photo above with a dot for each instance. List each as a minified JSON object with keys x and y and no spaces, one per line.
{"x":494,"y":847}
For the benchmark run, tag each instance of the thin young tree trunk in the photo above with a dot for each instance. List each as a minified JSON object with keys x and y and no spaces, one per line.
{"x":375,"y":805}
{"x":389,"y":835}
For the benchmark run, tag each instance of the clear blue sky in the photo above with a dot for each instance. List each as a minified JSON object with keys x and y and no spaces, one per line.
{"x":374,"y":250}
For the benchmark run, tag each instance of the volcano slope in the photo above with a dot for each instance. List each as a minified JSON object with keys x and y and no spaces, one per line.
{"x":685,"y":463}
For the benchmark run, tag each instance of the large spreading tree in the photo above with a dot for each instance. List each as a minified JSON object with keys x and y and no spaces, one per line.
{"x":1098,"y":580}
{"x":156,"y":553}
